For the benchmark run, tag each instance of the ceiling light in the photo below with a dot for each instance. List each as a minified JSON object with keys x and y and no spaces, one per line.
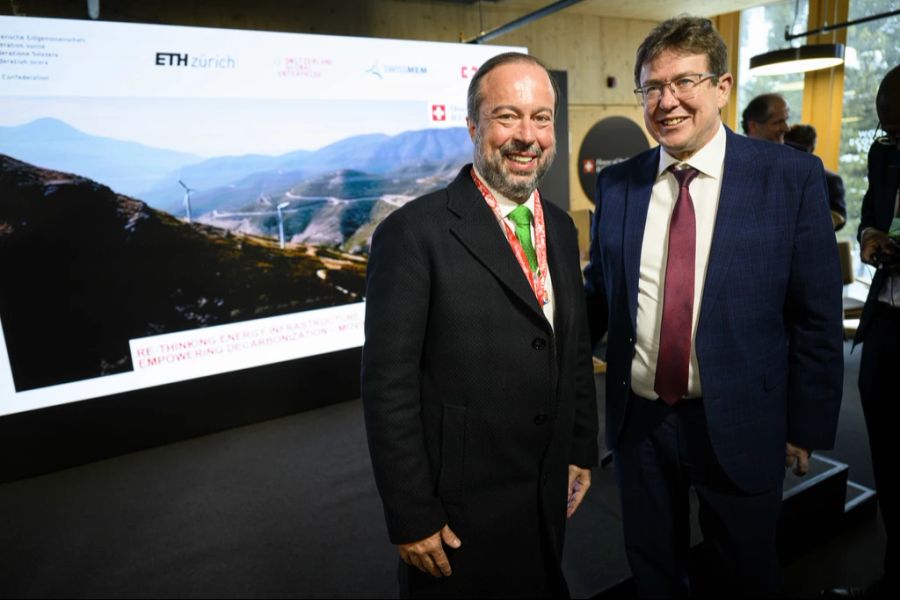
{"x":797,"y":60}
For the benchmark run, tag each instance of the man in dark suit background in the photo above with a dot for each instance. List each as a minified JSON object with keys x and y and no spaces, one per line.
{"x":477,"y":380}
{"x":714,"y":272}
{"x":879,"y":325}
{"x":803,"y":137}
{"x":766,"y":118}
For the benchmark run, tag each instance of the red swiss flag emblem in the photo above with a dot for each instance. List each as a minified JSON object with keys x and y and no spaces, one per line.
{"x":438,"y":112}
{"x":587,"y":165}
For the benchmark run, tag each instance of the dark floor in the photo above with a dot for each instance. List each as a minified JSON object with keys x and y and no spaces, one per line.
{"x":855,"y":556}
{"x":288,"y":508}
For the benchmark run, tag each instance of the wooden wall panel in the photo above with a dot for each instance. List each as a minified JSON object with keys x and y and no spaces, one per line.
{"x":729,"y":27}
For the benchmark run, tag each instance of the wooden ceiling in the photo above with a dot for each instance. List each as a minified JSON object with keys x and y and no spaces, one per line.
{"x":650,"y":10}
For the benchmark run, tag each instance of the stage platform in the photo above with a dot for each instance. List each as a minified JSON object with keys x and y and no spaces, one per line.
{"x":288,"y":508}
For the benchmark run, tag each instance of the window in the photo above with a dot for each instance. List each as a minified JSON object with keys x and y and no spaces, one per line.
{"x":762,"y":30}
{"x":873,"y":49}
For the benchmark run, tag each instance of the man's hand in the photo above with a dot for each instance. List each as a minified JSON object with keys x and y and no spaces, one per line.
{"x":874,"y":241}
{"x":428,"y":555}
{"x":579,"y":482}
{"x":796,"y":457}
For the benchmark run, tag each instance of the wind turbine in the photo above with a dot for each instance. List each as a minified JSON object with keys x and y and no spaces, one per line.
{"x":278,"y":209}
{"x":187,"y":199}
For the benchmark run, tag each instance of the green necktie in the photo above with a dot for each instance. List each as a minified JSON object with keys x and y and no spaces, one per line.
{"x":521,"y":216}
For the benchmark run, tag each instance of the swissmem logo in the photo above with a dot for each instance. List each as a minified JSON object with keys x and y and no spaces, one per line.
{"x":380,"y":71}
{"x":203,"y":61}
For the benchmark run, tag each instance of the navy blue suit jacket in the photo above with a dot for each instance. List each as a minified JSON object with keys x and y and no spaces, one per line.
{"x":769,"y":335}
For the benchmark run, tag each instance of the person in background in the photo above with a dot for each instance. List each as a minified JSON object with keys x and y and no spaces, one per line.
{"x":766,"y":118}
{"x":803,"y":137}
{"x":720,"y":291}
{"x":879,"y":325}
{"x":477,"y":380}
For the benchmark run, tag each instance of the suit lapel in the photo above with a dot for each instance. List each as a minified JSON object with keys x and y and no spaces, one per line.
{"x":637,"y":202}
{"x":739,"y":184}
{"x":477,"y":229}
{"x":561,"y":292}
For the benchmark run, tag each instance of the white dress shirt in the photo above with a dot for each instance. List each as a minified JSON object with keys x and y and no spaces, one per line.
{"x":507,"y":206}
{"x":704,"y":189}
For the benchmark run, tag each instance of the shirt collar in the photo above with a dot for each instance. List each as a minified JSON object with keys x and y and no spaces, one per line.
{"x":506,"y":205}
{"x":709,"y":160}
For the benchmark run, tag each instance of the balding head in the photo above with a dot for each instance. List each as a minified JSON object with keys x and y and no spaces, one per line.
{"x":766,"y":117}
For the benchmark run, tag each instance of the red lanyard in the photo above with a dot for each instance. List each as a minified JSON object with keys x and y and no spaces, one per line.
{"x":537,"y":280}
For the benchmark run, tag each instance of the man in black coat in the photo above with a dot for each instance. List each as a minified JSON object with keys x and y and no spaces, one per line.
{"x":476,"y":377}
{"x":803,"y":137}
{"x":879,"y":326}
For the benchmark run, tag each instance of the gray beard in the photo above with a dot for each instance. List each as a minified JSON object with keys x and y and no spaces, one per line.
{"x":516,"y":190}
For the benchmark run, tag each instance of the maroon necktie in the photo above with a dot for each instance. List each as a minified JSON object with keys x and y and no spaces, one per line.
{"x":678,"y":300}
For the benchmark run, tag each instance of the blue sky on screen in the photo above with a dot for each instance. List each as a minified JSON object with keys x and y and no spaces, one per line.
{"x":221,"y":127}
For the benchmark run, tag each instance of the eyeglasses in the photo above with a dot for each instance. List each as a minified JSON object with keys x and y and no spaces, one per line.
{"x":683,"y":88}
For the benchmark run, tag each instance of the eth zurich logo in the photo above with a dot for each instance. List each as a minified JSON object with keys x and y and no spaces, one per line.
{"x":203,"y":61}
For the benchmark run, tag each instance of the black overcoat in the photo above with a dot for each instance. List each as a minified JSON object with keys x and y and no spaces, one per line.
{"x":474,"y":405}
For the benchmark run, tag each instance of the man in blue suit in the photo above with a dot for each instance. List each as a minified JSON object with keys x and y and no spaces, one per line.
{"x":714,"y":272}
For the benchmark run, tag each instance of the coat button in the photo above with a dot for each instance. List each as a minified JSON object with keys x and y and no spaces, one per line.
{"x":538,"y":343}
{"x":540,"y":419}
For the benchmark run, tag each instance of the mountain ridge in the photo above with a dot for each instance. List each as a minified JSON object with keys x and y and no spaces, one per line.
{"x":85,"y":269}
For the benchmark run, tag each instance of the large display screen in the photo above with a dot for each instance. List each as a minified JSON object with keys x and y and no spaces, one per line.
{"x":177,"y":202}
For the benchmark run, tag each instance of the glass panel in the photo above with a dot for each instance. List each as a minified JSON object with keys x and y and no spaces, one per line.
{"x":762,"y":30}
{"x":873,"y":48}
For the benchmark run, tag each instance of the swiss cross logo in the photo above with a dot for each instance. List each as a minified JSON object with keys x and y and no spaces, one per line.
{"x":467,"y":72}
{"x":438,"y":112}
{"x":588,"y":166}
